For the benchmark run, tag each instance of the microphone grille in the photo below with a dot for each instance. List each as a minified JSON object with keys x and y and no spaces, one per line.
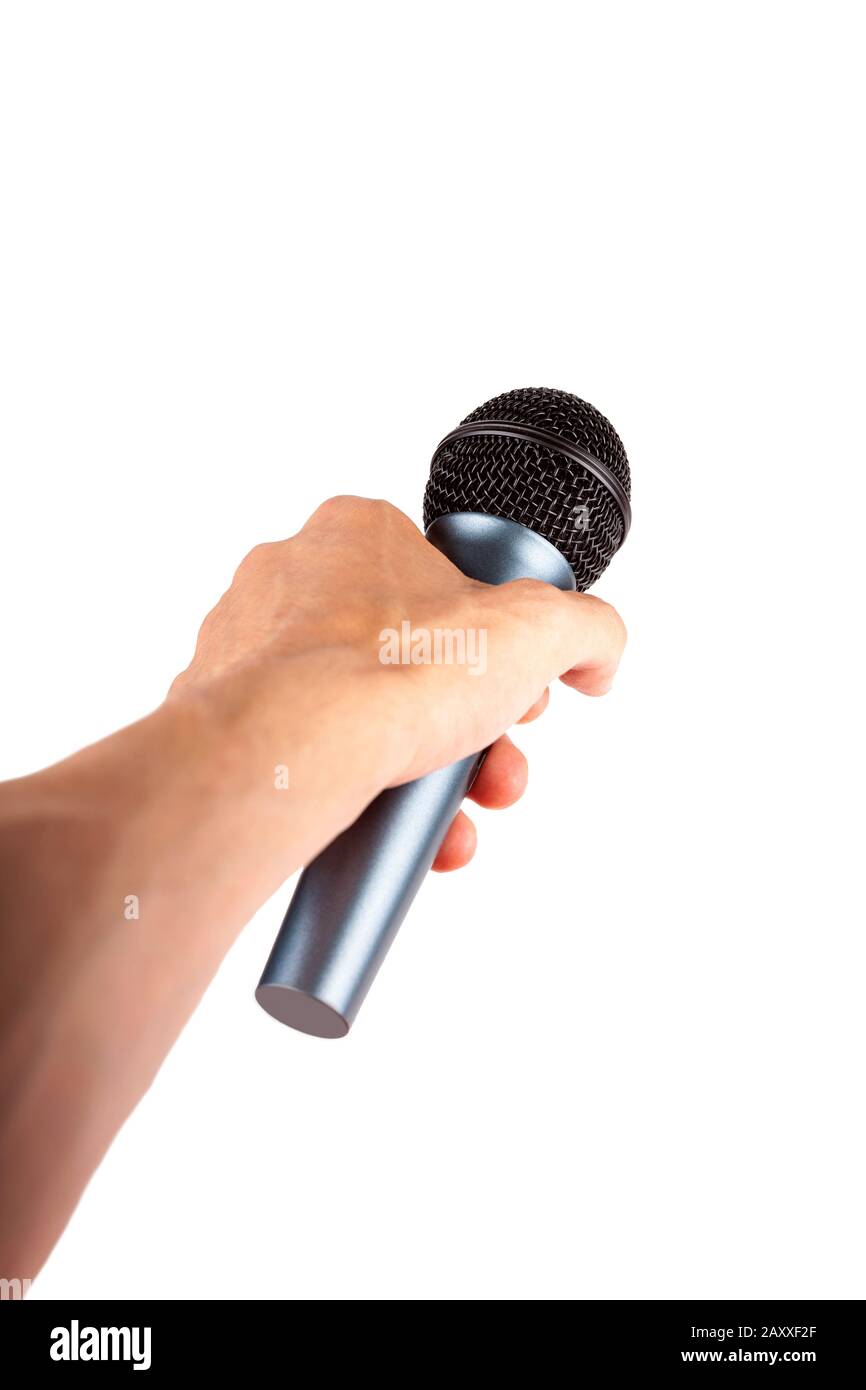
{"x":561,"y":470}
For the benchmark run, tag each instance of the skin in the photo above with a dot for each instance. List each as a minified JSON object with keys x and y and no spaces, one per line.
{"x":181,"y":809}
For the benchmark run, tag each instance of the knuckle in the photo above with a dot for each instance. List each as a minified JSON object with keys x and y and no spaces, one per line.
{"x":616,"y":626}
{"x":381,"y":512}
{"x":373,"y":516}
{"x":341,"y":502}
{"x":347,"y":504}
{"x":609,"y":617}
{"x":531,"y":591}
{"x":256,"y":557}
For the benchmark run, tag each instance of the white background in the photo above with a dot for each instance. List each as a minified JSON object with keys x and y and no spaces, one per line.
{"x":255,"y":254}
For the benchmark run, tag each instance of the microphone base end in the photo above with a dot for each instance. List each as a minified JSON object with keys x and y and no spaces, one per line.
{"x":301,"y":1011}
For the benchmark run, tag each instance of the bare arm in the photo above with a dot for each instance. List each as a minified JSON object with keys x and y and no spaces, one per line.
{"x":128,"y":869}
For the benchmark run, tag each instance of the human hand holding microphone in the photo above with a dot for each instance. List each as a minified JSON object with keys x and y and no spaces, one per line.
{"x":533,"y":485}
{"x":181,"y":810}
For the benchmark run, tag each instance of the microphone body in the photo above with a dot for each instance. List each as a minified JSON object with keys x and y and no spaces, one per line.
{"x":350,"y":901}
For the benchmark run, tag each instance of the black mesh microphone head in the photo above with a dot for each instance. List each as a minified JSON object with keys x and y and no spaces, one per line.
{"x":546,"y":459}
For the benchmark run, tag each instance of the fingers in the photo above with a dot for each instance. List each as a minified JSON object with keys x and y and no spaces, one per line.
{"x":458,"y":846}
{"x":503,"y":777}
{"x":538,"y":708}
{"x":501,"y":781}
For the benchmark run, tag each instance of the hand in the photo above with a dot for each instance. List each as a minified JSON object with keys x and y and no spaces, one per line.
{"x":183,"y":812}
{"x":322,"y":601}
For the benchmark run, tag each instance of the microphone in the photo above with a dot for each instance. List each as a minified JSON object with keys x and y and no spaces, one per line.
{"x":534,"y":484}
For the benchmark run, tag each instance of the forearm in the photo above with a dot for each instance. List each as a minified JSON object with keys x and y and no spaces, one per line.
{"x":127,"y":871}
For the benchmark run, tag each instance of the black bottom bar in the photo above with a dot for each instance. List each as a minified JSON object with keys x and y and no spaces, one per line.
{"x":802,"y":1339}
